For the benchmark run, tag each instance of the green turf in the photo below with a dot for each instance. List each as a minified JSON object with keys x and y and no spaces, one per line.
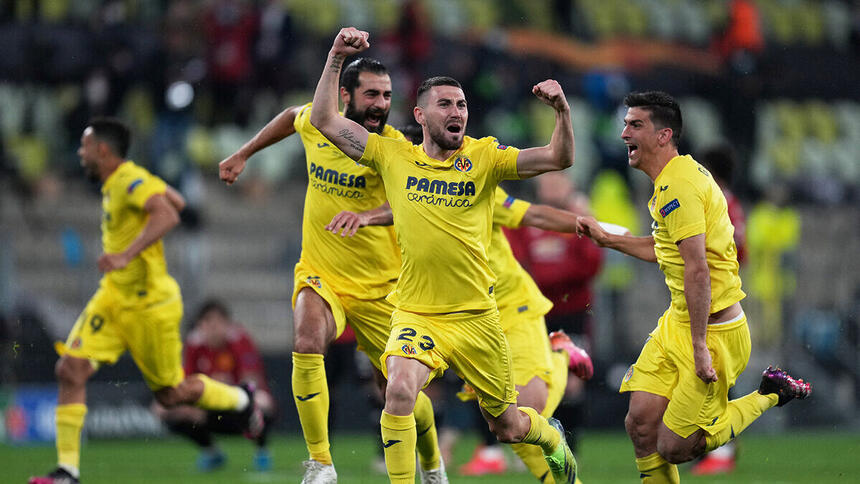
{"x":603,"y":458}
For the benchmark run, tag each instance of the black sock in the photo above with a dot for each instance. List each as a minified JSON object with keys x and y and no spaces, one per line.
{"x":199,"y":433}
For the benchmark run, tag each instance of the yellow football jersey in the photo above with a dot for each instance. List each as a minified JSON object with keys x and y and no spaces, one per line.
{"x":688,"y":202}
{"x":124,"y":195}
{"x":443,"y":217}
{"x":515,"y":288}
{"x":366,"y":265}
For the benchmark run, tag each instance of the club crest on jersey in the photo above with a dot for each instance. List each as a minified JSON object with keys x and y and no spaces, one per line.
{"x":669,"y":207}
{"x":315,"y":281}
{"x":76,"y":343}
{"x":134,"y":185}
{"x":408,"y":349}
{"x":463,"y":164}
{"x":628,"y":375}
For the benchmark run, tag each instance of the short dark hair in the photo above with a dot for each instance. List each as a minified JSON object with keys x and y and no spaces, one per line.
{"x":433,"y":82}
{"x":114,"y":132}
{"x":721,"y":161}
{"x":665,"y":111}
{"x":209,"y":306}
{"x":349,"y":77}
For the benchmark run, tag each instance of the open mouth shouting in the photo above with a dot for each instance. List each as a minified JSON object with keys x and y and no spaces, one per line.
{"x":632,"y":150}
{"x":373,"y":120}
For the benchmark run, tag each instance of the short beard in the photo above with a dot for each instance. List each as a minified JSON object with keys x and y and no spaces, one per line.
{"x":359,"y":117}
{"x":438,"y":137}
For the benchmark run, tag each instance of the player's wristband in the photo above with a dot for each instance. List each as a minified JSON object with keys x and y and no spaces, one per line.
{"x":614,"y":229}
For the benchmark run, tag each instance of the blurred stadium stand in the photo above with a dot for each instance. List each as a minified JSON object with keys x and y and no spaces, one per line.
{"x":779,"y":79}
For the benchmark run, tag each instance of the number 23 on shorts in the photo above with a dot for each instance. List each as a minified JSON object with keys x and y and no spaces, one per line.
{"x":409,"y":334}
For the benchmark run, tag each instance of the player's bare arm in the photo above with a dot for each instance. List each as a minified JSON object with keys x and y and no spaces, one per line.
{"x":162,"y":218}
{"x":549,"y":218}
{"x":347,"y":223}
{"x":559,"y":153}
{"x":175,"y":198}
{"x":275,"y":130}
{"x":697,"y":292}
{"x":639,"y":247}
{"x":349,"y":136}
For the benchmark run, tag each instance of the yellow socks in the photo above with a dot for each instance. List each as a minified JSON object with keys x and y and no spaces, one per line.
{"x":70,"y":421}
{"x":739,"y":414}
{"x":555,"y":390}
{"x":310,"y":392}
{"x":398,"y":442}
{"x":540,"y":432}
{"x":653,"y":469}
{"x":532,"y":457}
{"x":220,"y":396}
{"x":427,"y":442}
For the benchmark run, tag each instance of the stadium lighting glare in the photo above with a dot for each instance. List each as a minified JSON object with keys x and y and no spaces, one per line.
{"x":179,"y":95}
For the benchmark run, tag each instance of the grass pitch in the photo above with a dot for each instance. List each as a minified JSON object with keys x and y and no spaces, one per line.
{"x":805,"y":457}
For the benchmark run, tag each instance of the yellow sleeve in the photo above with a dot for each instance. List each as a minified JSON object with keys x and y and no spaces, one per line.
{"x":302,"y":120}
{"x":504,"y":161}
{"x":392,"y":132}
{"x":683,"y":210}
{"x":372,"y":155}
{"x":140,"y":187}
{"x":508,"y":211}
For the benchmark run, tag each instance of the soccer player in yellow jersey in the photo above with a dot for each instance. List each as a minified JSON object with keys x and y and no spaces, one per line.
{"x":338,"y":282}
{"x":679,"y":385}
{"x":441,"y":195}
{"x":137,"y":308}
{"x":540,"y":375}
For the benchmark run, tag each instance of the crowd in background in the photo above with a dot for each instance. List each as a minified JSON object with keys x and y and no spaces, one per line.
{"x":196,"y":77}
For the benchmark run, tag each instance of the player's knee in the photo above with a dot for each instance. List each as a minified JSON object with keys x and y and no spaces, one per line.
{"x":168,"y":397}
{"x":638,"y":424}
{"x":310,"y":340}
{"x":673,"y":452}
{"x":505,"y":433}
{"x":630,"y":424}
{"x":73,"y":371}
{"x":399,"y":396}
{"x":676,"y":451}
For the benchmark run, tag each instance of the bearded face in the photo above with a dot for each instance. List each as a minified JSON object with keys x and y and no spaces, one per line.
{"x":372,"y":117}
{"x":370,"y":101}
{"x":444,"y":113}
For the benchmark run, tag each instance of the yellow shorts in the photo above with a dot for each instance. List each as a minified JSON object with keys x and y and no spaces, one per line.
{"x":149,"y":330}
{"x":530,"y":350}
{"x":369,"y":318}
{"x":473,"y":345}
{"x":666,"y":367}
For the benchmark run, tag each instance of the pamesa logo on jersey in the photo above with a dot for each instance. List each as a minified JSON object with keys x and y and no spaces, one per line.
{"x":333,"y":182}
{"x":463,"y":164}
{"x":439,"y":192}
{"x":334,"y":177}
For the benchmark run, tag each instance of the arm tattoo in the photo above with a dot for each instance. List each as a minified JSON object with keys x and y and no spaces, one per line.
{"x":335,"y":64}
{"x":351,"y":141}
